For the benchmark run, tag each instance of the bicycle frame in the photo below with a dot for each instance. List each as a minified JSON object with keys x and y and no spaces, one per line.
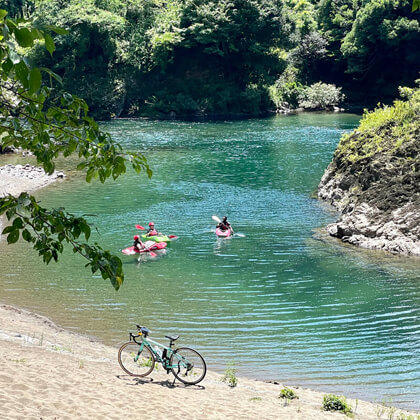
{"x":166,"y":354}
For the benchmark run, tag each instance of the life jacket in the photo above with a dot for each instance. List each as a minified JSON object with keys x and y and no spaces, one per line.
{"x":152,"y":232}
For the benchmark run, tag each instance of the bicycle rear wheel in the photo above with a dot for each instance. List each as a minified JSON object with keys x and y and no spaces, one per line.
{"x":190,"y":366}
{"x":133,"y":365}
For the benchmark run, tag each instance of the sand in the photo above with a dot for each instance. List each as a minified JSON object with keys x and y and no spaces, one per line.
{"x":15,"y":179}
{"x":47,"y":372}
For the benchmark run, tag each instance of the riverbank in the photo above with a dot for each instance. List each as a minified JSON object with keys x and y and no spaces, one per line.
{"x":50,"y":373}
{"x":15,"y":179}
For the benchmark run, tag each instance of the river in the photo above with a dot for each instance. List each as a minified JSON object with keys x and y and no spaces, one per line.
{"x":281,"y":300}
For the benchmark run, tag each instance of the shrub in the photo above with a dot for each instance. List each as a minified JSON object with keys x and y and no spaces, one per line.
{"x":320,"y":96}
{"x":286,"y":90}
{"x":230,"y":376}
{"x":288,"y":393}
{"x":336,"y":403}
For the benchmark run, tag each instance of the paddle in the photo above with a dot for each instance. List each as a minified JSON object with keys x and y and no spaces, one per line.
{"x":139,"y":227}
{"x":216,"y":219}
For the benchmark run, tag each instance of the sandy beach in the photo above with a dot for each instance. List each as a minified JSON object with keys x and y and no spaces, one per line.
{"x":50,"y":373}
{"x":15,"y":179}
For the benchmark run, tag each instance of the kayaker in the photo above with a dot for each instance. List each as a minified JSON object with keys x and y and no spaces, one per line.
{"x":152,"y":231}
{"x":138,"y":243}
{"x":224,"y":225}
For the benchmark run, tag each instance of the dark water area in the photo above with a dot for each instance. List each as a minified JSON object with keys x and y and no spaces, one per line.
{"x":281,"y":300}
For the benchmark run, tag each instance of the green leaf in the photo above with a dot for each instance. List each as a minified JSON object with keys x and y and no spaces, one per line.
{"x":49,"y":43}
{"x":22,"y":73}
{"x":7,"y":65}
{"x":3,"y":14}
{"x":117,"y":281}
{"x":52,"y":74}
{"x":57,"y":29}
{"x":18,"y":223}
{"x":416,"y":5}
{"x":24,"y":37}
{"x":26,"y":235}
{"x":8,"y":229}
{"x":24,"y":200}
{"x":13,"y":237}
{"x":35,"y":80}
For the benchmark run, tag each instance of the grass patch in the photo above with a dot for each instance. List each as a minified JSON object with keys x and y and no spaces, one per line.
{"x":230,"y":376}
{"x":333,"y":402}
{"x":288,"y":393}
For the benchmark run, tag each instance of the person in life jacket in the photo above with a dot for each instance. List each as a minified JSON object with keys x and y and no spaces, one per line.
{"x":224,"y":225}
{"x":152,"y":231}
{"x":138,"y":243}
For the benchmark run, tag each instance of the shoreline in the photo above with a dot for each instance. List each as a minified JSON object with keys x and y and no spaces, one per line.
{"x":15,"y":179}
{"x":52,"y":373}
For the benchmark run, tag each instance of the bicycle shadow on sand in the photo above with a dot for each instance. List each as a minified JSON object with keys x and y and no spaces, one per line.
{"x":171,"y":384}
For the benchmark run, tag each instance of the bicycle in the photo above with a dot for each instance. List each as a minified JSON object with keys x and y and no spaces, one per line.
{"x":139,"y":358}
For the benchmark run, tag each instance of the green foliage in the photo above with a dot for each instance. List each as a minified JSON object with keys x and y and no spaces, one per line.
{"x":416,"y":5}
{"x":384,"y":31}
{"x":383,"y":130}
{"x":311,"y":50}
{"x":336,"y":18}
{"x":288,"y":393}
{"x":336,"y":403}
{"x":287,"y":90}
{"x":230,"y":376}
{"x":152,"y":57}
{"x":320,"y":96}
{"x":48,"y":123}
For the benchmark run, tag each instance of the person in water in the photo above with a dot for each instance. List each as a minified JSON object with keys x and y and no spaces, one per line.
{"x":152,"y":231}
{"x":224,"y":225}
{"x":138,"y":243}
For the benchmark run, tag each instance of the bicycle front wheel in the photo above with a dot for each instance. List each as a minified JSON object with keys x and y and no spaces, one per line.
{"x":188,"y":366}
{"x":132,"y":362}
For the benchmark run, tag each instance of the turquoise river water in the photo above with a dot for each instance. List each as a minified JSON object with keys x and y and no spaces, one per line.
{"x":282,"y":300}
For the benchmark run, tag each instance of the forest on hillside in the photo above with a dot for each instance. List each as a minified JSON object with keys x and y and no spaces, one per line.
{"x":227,"y":57}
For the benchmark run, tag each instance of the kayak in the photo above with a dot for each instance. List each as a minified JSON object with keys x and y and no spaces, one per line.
{"x":223,"y":233}
{"x":160,"y":238}
{"x":150,"y":246}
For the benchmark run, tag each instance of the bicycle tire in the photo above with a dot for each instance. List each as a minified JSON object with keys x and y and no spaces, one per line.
{"x":197,"y":372}
{"x":141,"y":367}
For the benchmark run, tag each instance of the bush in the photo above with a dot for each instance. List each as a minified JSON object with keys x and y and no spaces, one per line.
{"x":230,"y":376}
{"x":320,"y":96}
{"x":286,"y":90}
{"x":288,"y":394}
{"x":336,"y":403}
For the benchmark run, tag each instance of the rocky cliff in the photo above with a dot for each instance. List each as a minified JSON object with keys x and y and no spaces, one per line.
{"x":374,"y":179}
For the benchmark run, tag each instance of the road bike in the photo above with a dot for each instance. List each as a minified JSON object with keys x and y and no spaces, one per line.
{"x":138,"y":356}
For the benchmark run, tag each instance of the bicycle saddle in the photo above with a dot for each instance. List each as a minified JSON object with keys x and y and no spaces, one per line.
{"x":172,"y":338}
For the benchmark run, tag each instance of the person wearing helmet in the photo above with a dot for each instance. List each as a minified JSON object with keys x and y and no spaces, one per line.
{"x":224,"y":225}
{"x":152,"y":231}
{"x":138,"y":243}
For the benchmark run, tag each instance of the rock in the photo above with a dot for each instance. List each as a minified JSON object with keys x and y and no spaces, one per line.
{"x":378,"y":197}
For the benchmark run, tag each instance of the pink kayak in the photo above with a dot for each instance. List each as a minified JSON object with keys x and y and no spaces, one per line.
{"x":131,"y":250}
{"x":223,"y":233}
